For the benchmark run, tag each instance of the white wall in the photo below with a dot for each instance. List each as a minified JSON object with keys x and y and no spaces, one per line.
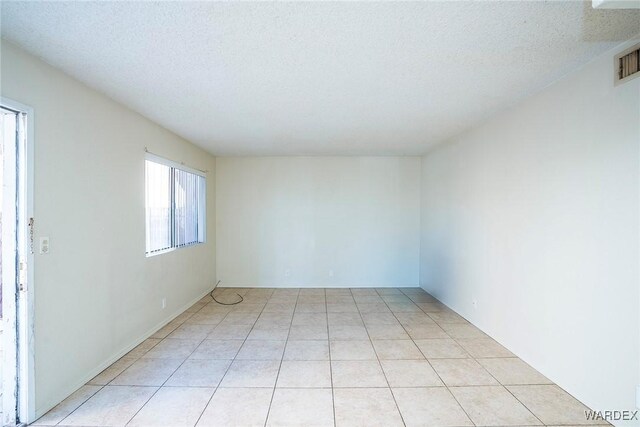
{"x":96,"y":294}
{"x":356,"y":216}
{"x":535,"y":215}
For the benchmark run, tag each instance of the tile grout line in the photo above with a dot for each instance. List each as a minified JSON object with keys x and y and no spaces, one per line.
{"x":412,"y":340}
{"x":434,"y":369}
{"x":499,"y":383}
{"x":232,"y":360}
{"x":65,"y":417}
{"x":176,"y":370}
{"x":522,"y":403}
{"x":286,"y":342}
{"x":504,"y":386}
{"x":333,"y":396}
{"x":475,"y":359}
{"x":378,"y":359}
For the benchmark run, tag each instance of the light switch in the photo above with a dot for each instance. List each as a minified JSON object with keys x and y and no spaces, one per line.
{"x":44,"y":245}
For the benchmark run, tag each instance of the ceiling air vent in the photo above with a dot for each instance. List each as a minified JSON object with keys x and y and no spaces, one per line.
{"x":627,"y":64}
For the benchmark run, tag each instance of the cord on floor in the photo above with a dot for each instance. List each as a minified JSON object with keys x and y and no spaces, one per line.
{"x":225,"y":303}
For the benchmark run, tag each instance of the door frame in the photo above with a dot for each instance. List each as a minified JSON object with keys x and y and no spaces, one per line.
{"x":25,"y":335}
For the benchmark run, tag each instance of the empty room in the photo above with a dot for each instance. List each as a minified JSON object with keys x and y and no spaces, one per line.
{"x":313,"y":213}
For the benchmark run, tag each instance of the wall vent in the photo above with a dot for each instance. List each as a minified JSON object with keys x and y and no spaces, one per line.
{"x":627,"y":64}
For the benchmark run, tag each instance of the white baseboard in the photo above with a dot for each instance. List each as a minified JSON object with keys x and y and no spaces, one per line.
{"x":235,"y":285}
{"x":44,"y":408}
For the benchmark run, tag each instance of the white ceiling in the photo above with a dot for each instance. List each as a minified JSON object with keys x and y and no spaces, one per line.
{"x":261,"y":78}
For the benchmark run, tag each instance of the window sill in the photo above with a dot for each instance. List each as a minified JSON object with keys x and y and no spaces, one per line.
{"x":164,"y":251}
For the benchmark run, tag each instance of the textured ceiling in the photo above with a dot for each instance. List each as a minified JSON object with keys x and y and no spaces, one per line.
{"x":316,"y":78}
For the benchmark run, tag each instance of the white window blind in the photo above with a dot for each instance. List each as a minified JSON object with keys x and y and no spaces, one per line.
{"x":175,"y":206}
{"x":189,"y":204}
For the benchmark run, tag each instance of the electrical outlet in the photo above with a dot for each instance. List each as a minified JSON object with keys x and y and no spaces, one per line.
{"x":475,"y":304}
{"x":287,"y":273}
{"x":330,"y":273}
{"x":164,"y":303}
{"x":44,"y":245}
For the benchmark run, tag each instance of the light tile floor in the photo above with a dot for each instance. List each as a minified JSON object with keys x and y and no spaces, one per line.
{"x":319,"y":357}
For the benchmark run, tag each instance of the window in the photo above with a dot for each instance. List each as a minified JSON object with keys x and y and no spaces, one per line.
{"x":175,"y":205}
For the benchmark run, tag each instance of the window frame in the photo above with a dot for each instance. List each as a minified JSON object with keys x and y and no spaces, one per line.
{"x":203,"y":207}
